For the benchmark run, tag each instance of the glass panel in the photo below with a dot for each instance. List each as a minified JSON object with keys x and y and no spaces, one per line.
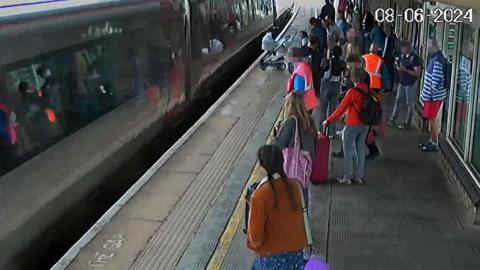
{"x":449,"y":37}
{"x":464,"y":85}
{"x":476,"y":137}
{"x":220,"y":28}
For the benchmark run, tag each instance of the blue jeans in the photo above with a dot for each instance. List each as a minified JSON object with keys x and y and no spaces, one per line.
{"x":407,"y":94}
{"x":329,"y":102}
{"x":283,"y":261}
{"x":354,"y":151}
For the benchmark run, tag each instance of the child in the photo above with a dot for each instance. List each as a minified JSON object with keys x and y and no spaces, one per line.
{"x":304,"y":38}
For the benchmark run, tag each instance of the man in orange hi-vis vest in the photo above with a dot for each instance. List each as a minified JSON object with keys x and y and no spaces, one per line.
{"x":373,"y":66}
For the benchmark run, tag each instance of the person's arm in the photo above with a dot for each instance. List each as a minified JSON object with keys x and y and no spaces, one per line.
{"x":299,"y":83}
{"x":416,"y":72}
{"x":286,"y":134}
{"x":346,"y":103}
{"x":327,"y":66}
{"x":438,"y":76}
{"x":323,"y":13}
{"x":256,"y":223}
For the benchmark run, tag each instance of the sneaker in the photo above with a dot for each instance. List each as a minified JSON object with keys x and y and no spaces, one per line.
{"x":403,"y":126}
{"x":359,"y":181}
{"x":331,"y":137}
{"x":425,"y":144}
{"x":340,"y":133}
{"x":344,"y":181}
{"x":432,"y":147}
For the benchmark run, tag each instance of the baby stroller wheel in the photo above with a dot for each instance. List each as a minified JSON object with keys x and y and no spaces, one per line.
{"x":291,"y":68}
{"x":262,"y":65}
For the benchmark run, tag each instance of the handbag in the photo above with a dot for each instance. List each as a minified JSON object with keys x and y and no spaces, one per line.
{"x":297,"y":163}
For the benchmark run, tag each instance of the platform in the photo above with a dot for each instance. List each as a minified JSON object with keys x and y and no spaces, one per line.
{"x":189,"y":212}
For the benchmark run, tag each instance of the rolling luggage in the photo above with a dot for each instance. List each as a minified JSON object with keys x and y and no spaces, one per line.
{"x":321,"y":162}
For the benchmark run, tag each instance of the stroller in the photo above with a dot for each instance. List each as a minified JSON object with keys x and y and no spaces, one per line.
{"x":276,"y":51}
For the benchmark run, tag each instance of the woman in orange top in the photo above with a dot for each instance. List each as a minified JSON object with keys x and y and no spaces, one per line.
{"x":355,"y":132}
{"x":278,"y":244}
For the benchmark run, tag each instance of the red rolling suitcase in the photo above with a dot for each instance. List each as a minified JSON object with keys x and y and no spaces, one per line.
{"x":321,"y":162}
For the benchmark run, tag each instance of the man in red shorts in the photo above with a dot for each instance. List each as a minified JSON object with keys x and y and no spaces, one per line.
{"x":434,"y":92}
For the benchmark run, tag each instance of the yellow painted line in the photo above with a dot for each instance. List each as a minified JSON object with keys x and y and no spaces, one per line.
{"x":226,"y":240}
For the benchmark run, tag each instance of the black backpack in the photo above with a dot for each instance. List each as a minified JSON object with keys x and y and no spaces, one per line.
{"x":371,"y":112}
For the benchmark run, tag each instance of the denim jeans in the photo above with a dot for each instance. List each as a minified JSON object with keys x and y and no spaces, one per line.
{"x":407,"y":93}
{"x":282,"y":261}
{"x":354,"y":151}
{"x":329,"y":102}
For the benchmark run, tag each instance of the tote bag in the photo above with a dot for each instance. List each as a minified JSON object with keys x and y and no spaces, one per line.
{"x":297,"y":163}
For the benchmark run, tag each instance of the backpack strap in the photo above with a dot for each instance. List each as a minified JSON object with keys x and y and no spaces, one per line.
{"x":306,"y":219}
{"x":365,"y":94}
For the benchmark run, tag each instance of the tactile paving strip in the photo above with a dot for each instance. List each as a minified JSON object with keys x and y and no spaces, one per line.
{"x":199,"y":252}
{"x":168,"y":244}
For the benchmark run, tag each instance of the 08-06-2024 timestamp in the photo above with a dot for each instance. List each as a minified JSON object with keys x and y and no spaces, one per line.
{"x":438,"y":15}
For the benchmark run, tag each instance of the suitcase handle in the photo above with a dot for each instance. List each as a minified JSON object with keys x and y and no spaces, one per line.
{"x":325,"y":130}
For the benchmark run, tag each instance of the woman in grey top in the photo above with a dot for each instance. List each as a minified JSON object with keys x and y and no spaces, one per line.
{"x":295,"y":108}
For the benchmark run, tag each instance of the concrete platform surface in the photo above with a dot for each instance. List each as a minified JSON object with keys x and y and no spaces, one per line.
{"x":403,"y":218}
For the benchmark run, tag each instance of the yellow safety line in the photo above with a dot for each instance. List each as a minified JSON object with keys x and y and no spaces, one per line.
{"x":226,"y":240}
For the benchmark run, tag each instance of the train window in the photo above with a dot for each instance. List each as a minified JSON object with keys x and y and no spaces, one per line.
{"x":52,"y":95}
{"x":464,"y":85}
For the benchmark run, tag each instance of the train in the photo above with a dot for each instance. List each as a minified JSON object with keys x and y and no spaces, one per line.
{"x":85,"y":84}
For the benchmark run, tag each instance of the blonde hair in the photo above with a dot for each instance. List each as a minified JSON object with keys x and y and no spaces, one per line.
{"x":295,"y":106}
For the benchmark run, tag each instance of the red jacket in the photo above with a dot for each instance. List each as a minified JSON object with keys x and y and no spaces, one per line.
{"x":351,"y":104}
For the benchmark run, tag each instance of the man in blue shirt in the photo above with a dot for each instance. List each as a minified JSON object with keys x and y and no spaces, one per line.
{"x":316,"y":56}
{"x":321,"y":32}
{"x":434,"y":92}
{"x":409,"y":70}
{"x":367,"y":26}
{"x":343,"y":25}
{"x":378,"y":36}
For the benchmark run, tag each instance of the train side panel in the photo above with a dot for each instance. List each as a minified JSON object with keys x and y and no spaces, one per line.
{"x":88,"y":90}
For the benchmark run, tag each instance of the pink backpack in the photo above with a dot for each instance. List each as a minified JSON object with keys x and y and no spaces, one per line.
{"x":297,"y":163}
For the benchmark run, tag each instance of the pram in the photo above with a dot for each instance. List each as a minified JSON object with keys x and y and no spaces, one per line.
{"x":276,"y":51}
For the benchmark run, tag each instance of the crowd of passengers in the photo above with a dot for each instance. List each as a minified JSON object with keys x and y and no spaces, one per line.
{"x":342,"y":71}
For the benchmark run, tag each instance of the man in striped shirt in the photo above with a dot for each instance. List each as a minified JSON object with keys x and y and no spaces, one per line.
{"x":434,"y":92}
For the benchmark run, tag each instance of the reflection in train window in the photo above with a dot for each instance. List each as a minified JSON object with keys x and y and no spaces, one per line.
{"x":51,"y":95}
